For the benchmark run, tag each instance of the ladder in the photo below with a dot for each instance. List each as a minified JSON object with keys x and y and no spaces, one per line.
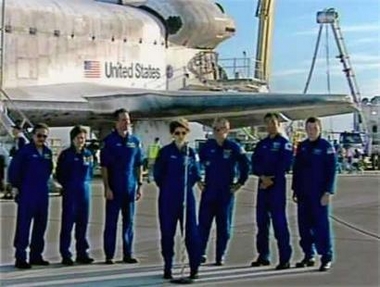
{"x":6,"y":121}
{"x":348,"y":71}
{"x":345,"y":60}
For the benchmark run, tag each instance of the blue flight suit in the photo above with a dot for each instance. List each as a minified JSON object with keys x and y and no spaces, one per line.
{"x":314,"y":174}
{"x":74,"y":173}
{"x":169,"y":175}
{"x":30,"y":172}
{"x":121,"y":156}
{"x":272,"y":157}
{"x":222,"y":165}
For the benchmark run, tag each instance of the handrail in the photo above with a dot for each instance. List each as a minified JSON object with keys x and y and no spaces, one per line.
{"x":9,"y":101}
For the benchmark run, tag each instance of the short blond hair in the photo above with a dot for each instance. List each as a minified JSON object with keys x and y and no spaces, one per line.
{"x":222,"y":121}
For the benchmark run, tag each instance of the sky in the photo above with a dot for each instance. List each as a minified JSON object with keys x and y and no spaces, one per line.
{"x":294,"y":37}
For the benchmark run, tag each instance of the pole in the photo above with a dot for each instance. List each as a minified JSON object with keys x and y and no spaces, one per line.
{"x":182,"y":279}
{"x":314,"y":59}
{"x":2,"y":44}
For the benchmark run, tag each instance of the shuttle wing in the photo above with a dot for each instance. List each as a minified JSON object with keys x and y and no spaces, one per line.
{"x":93,"y":104}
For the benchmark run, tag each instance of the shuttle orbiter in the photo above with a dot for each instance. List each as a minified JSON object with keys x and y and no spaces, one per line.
{"x":76,"y":61}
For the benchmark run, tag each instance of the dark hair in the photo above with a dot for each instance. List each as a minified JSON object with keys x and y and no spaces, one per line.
{"x":272,"y":116}
{"x":76,"y":131}
{"x":40,"y":126}
{"x":313,"y":120}
{"x":180,"y":123}
{"x":156,"y":139}
{"x":118,"y":112}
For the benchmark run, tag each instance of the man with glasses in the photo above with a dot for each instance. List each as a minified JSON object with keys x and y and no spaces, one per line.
{"x":223,"y":159}
{"x":270,"y":161}
{"x":121,"y":161}
{"x":29,"y":172}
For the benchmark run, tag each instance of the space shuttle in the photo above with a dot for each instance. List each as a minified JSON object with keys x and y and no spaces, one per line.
{"x":67,"y":62}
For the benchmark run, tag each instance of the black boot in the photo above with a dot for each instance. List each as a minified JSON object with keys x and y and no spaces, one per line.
{"x":109,"y":261}
{"x":282,"y":266}
{"x":167,"y":274}
{"x":22,"y":264}
{"x":194,"y":274}
{"x":130,"y":260}
{"x":260,"y":262}
{"x":84,"y":260}
{"x":39,"y":261}
{"x":67,"y":261}
{"x":325,"y":266}
{"x":306,"y":262}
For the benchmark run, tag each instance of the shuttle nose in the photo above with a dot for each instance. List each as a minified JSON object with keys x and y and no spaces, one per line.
{"x":197,"y":24}
{"x":228,"y":27}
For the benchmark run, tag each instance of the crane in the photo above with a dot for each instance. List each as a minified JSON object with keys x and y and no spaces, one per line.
{"x":265,"y":12}
{"x":349,"y":139}
{"x":330,"y":17}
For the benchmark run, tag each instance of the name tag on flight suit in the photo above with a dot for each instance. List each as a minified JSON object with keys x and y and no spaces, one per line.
{"x":276,"y":146}
{"x":226,"y":153}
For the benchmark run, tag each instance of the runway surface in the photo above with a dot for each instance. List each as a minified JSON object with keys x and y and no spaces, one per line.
{"x":355,"y":220}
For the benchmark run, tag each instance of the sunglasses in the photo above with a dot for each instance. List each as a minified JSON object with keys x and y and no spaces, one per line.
{"x":180,"y":133}
{"x":219,"y":129}
{"x":41,"y":136}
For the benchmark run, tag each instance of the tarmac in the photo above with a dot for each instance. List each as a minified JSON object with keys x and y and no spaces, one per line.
{"x":355,"y":223}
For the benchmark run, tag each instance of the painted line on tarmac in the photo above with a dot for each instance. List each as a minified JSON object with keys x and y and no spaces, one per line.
{"x":60,"y":270}
{"x":353,"y":227}
{"x":251,"y":273}
{"x":206,"y":275}
{"x":66,"y":281}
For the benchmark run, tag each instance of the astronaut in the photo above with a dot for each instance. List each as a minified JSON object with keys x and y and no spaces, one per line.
{"x":271,"y":159}
{"x":74,"y":173}
{"x":227,"y":168}
{"x":169,"y":175}
{"x":314,"y":178}
{"x":121,"y":162}
{"x":29,"y":172}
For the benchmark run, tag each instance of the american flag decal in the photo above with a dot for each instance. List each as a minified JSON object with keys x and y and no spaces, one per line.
{"x":91,"y":69}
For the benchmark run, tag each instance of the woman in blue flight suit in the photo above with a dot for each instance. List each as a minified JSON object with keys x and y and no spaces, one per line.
{"x":169,"y":175}
{"x":74,"y":173}
{"x":29,"y":172}
{"x":314,"y":176}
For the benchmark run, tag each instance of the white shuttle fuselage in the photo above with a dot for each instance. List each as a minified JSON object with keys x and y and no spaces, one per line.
{"x":68,"y":41}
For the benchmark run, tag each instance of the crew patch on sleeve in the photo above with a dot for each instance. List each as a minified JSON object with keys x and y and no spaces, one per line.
{"x":288,"y":146}
{"x":242,"y":150}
